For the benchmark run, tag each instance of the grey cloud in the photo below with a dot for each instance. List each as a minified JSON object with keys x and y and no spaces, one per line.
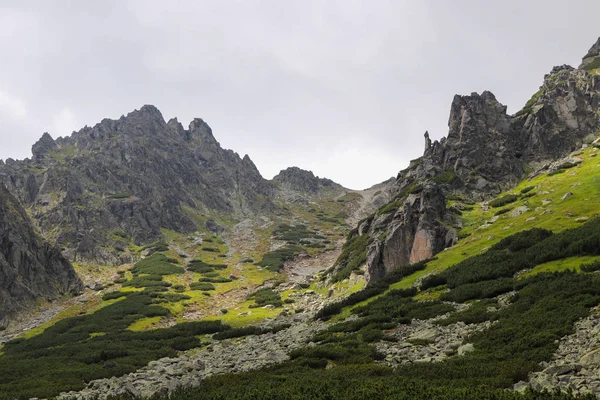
{"x":286,"y":82}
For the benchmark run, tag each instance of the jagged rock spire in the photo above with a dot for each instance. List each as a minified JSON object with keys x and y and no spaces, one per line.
{"x":43,"y":147}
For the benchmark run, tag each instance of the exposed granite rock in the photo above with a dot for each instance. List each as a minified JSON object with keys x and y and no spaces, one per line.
{"x":478,"y":154}
{"x":42,"y":148}
{"x":136,"y":175}
{"x":559,"y":116}
{"x":479,"y":141}
{"x":30,"y":270}
{"x":412,"y":233}
{"x":485,"y":152}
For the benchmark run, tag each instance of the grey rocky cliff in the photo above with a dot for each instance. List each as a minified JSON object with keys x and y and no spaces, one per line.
{"x":135,"y":175}
{"x":485,"y":152}
{"x":560,"y":115}
{"x":30,"y":269}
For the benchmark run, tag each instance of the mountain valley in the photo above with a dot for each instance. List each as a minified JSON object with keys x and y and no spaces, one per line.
{"x":139,"y":258}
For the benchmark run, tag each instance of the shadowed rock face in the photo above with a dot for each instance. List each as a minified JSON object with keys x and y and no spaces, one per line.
{"x":30,"y":269}
{"x":136,"y":175}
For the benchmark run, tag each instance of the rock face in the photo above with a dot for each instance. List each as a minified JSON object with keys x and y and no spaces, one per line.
{"x":43,"y":147}
{"x":485,"y":152}
{"x":134,"y":175}
{"x":411,"y":234}
{"x":560,"y":116}
{"x":30,"y":270}
{"x":303,"y":181}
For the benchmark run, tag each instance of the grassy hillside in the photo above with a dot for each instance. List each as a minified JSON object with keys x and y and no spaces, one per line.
{"x":542,"y":195}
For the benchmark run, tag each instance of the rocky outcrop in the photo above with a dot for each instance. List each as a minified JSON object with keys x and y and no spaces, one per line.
{"x":303,"y":181}
{"x":30,"y":269}
{"x":43,"y":147}
{"x":478,"y":155}
{"x":560,"y":116}
{"x":134,"y":175}
{"x":485,"y":152}
{"x":413,"y":232}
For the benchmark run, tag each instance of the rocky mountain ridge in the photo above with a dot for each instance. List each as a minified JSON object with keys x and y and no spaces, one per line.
{"x":485,"y":152}
{"x":132,"y":177}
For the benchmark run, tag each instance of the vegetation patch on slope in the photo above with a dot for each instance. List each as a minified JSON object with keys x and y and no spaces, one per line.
{"x":354,"y":255}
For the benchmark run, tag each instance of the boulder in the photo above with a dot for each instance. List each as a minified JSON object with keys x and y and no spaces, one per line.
{"x":519,"y":211}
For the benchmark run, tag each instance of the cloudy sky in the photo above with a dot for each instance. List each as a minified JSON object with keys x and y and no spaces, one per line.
{"x":343,"y":88}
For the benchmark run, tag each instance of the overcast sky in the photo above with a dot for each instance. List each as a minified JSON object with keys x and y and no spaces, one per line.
{"x":343,"y":88}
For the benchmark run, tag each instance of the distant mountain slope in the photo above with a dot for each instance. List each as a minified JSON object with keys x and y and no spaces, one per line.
{"x":117,"y":184}
{"x":303,"y":181}
{"x":30,"y":269}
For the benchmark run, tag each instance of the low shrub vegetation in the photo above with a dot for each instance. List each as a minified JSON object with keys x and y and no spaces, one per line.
{"x":354,"y":254}
{"x":266,"y":296}
{"x":157,"y":264}
{"x":504,"y":200}
{"x":274,"y":260}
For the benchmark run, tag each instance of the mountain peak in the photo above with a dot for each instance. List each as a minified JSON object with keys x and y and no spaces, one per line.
{"x":43,"y":147}
{"x":301,"y":180}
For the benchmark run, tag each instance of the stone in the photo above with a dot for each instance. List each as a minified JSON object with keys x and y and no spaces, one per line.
{"x":414,"y":233}
{"x":563,"y":369}
{"x":566,"y":195}
{"x":519,"y":211}
{"x":465,"y":348}
{"x":591,"y":358}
